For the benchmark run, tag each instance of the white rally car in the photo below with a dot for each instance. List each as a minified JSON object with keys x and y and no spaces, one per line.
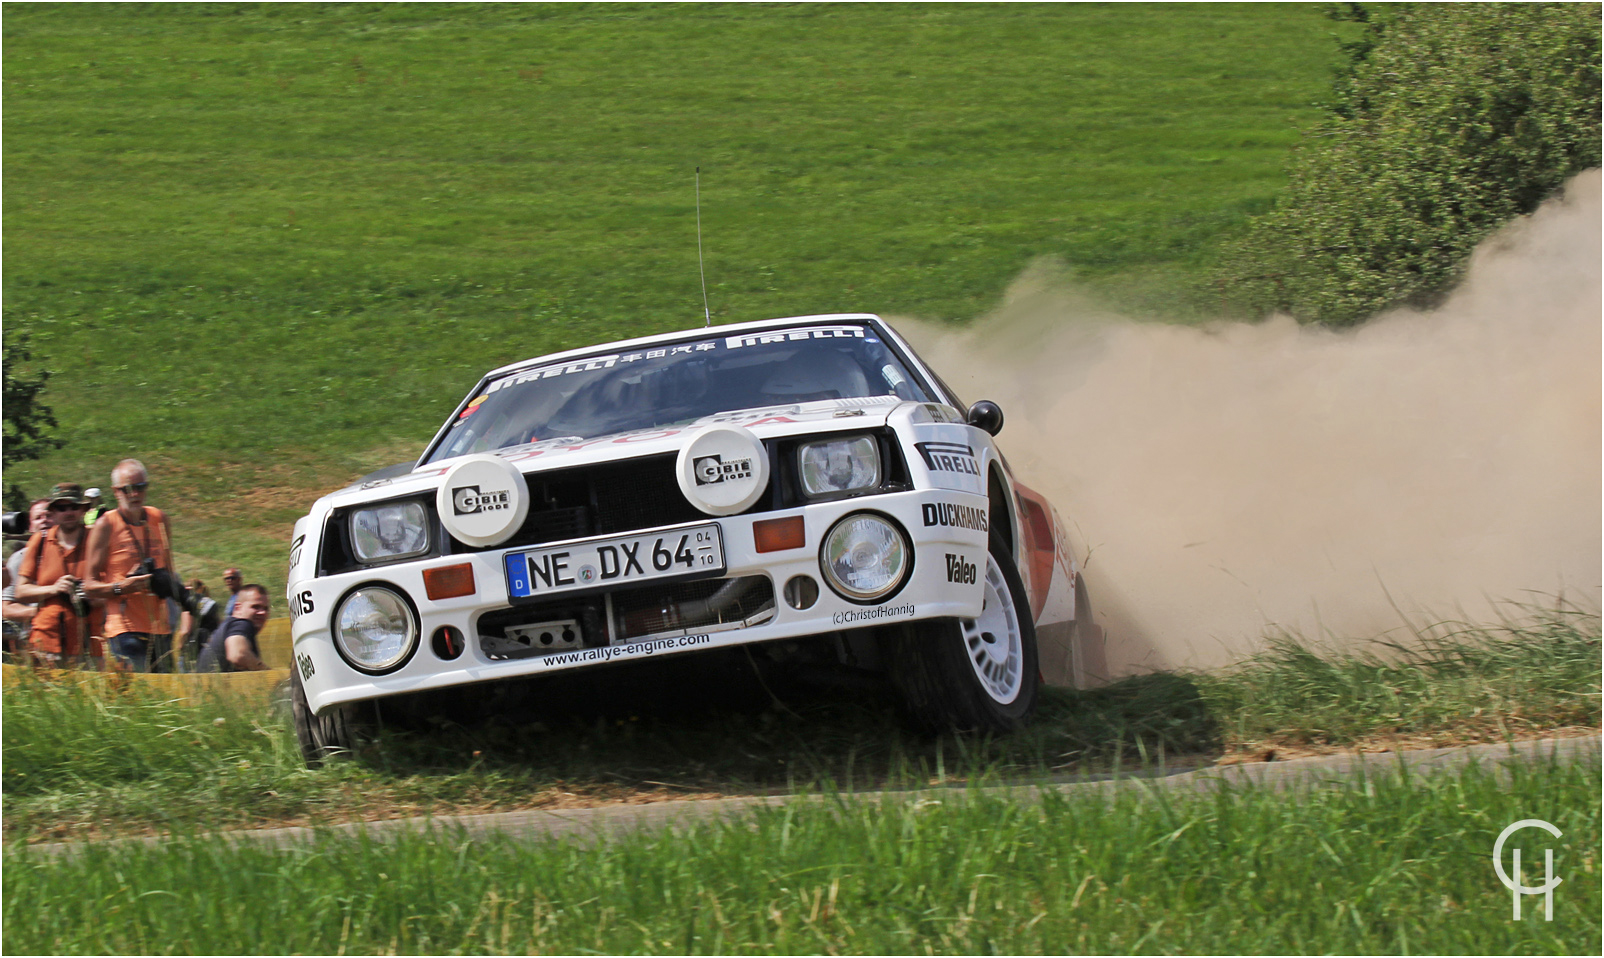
{"x":804,"y":481}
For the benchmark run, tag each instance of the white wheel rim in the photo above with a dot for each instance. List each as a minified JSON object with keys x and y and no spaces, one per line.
{"x":992,"y":642}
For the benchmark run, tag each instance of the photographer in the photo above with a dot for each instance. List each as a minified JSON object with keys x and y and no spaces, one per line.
{"x":39,"y":519}
{"x":130,"y":563}
{"x":18,"y":619}
{"x":52,"y":575}
{"x":19,"y":615}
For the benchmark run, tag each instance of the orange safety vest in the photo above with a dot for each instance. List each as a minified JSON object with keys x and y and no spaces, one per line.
{"x":128,"y":546}
{"x":56,"y":627}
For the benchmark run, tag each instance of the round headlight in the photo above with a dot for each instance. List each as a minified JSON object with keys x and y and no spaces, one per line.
{"x":375,"y":629}
{"x":864,"y":557}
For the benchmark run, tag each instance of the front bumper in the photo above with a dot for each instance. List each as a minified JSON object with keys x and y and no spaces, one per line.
{"x":938,"y":546}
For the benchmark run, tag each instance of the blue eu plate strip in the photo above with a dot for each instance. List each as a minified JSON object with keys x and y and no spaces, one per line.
{"x":517,"y":574}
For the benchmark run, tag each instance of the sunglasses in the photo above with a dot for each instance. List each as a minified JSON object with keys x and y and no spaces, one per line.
{"x":135,"y":486}
{"x":67,"y":507}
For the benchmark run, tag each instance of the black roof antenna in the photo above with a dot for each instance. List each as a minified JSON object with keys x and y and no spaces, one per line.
{"x":707,"y":313}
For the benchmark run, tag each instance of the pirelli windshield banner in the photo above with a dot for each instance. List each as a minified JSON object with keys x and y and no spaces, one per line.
{"x":596,"y":363}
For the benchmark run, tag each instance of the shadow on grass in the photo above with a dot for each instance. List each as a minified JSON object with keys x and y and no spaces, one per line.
{"x":715,"y":725}
{"x":1146,"y":718}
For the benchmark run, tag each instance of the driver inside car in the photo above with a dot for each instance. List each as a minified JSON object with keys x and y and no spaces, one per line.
{"x":633,"y":399}
{"x":812,"y":375}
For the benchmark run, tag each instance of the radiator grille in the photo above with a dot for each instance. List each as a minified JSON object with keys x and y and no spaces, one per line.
{"x":639,"y":494}
{"x":600,"y":500}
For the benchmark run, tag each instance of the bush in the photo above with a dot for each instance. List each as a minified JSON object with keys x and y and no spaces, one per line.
{"x":1446,"y":122}
{"x":25,"y":419}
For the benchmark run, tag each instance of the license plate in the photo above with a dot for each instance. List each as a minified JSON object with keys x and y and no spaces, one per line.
{"x":616,"y":560}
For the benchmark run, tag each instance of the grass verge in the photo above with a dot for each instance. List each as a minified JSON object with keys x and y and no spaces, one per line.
{"x":1390,"y":864}
{"x":78,"y":765}
{"x":1454,"y":684}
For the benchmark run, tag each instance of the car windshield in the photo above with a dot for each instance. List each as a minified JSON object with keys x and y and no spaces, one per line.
{"x":677,"y":383}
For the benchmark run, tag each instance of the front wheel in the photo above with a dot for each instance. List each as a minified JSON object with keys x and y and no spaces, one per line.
{"x":979,"y":674}
{"x":338,"y":730}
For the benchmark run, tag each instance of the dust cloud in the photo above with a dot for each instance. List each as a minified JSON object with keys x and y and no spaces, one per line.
{"x":1228,"y":481}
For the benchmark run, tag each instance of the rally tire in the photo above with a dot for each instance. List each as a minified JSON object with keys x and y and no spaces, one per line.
{"x":975,"y":675}
{"x":339,"y":730}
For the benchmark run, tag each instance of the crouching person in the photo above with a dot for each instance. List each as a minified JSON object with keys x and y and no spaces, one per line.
{"x":232,"y":648}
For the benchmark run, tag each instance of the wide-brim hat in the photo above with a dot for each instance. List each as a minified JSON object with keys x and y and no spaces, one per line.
{"x":68,"y":492}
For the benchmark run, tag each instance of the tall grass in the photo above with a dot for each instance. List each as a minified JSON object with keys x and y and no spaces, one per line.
{"x":1453,"y":682}
{"x":1391,"y":864}
{"x":81,"y":762}
{"x":76,"y":764}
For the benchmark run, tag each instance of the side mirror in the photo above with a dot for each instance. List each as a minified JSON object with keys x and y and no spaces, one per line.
{"x":986,"y":415}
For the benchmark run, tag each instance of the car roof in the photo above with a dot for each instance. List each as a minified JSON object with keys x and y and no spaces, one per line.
{"x":694,"y":333}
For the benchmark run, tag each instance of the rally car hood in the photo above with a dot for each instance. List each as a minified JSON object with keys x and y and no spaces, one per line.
{"x":834,"y":415}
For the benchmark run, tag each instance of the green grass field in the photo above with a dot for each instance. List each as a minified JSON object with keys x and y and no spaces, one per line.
{"x":266,"y":248}
{"x":1384,"y":865}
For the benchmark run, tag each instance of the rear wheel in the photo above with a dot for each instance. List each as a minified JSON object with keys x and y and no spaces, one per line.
{"x":979,"y":674}
{"x":339,"y":729}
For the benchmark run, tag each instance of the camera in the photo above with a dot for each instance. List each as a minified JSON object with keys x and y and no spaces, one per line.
{"x":79,"y":600}
{"x":165,"y":585}
{"x":14,"y":525}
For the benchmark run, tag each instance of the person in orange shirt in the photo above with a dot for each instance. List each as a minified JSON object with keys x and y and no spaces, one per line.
{"x":119,"y":542}
{"x":52,"y":575}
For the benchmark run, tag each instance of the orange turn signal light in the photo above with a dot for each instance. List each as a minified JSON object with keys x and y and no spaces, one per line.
{"x":448,"y":582}
{"x":772,"y":535}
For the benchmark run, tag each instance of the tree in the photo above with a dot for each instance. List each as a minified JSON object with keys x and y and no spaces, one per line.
{"x":26,"y":419}
{"x":1445,"y":122}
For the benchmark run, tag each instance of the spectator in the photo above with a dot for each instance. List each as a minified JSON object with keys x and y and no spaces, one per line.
{"x":233,"y":648}
{"x":18,"y":618}
{"x":19,"y":615}
{"x":39,"y":519}
{"x":232,"y":579}
{"x":95,"y":507}
{"x":195,"y":629}
{"x":52,"y":575}
{"x":97,"y":616}
{"x":119,"y":541}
